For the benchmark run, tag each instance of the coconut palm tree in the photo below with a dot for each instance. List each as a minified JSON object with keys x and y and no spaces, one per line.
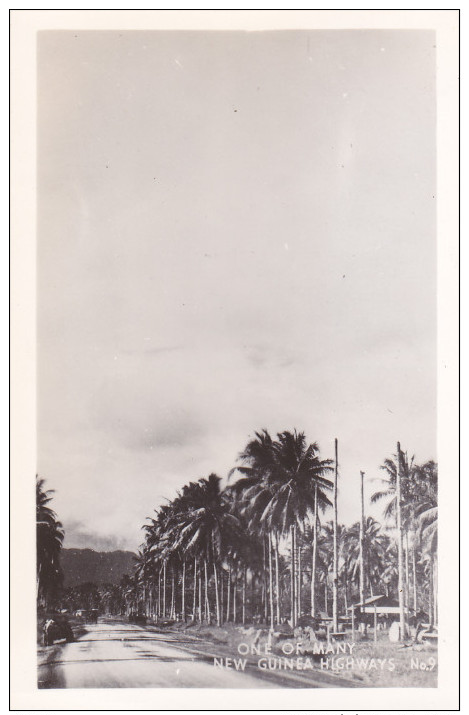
{"x":282,"y":481}
{"x":301,"y":485}
{"x":418,"y":496}
{"x":375,"y":547}
{"x":388,"y":491}
{"x":207,"y":527}
{"x":49,"y":538}
{"x":426,"y":515}
{"x":253,"y":493}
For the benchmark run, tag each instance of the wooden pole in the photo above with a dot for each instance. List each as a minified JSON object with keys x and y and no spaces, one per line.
{"x":353,"y":622}
{"x":315,"y":551}
{"x":400,"y":546}
{"x":375,"y":624}
{"x":406,"y":562}
{"x":335,"y":575}
{"x":298,"y":611}
{"x":362,"y":539}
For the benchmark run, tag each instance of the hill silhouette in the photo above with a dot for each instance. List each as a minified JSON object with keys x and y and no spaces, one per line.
{"x":86,"y":565}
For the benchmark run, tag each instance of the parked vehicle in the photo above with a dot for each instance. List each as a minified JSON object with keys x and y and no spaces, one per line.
{"x":57,"y":628}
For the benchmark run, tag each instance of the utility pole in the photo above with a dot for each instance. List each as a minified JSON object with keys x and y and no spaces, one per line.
{"x":315,"y":551}
{"x":362,"y":540}
{"x":335,"y":616}
{"x":400,"y":546}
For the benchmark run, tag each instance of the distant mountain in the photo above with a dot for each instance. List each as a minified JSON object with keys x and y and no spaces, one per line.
{"x":86,"y":565}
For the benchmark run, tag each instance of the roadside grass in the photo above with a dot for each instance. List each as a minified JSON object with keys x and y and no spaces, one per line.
{"x":375,"y":665}
{"x":390,"y":665}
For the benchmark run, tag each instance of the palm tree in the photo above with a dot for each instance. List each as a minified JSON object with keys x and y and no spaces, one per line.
{"x":375,"y":546}
{"x":49,"y":538}
{"x":418,"y":497}
{"x":206,"y":527}
{"x":253,"y":493}
{"x":301,"y":485}
{"x":426,"y":515}
{"x":388,"y":492}
{"x":282,"y":482}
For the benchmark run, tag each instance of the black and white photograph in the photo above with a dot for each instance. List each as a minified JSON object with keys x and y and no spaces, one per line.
{"x":236,"y":359}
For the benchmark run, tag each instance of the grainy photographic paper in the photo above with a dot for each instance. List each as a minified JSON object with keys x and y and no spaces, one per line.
{"x":236,"y":435}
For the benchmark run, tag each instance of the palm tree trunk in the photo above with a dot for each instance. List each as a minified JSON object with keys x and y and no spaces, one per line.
{"x":228,"y":595}
{"x":194,"y":598}
{"x":183,"y":593}
{"x":159,"y":593}
{"x":435,"y":589}
{"x":217,"y":599}
{"x":244,"y":595}
{"x":315,"y":551}
{"x":277,"y":579}
{"x":173,"y":596}
{"x":234,"y":599}
{"x":222,"y":594}
{"x":431,"y":609}
{"x":264,"y":572}
{"x":325,"y":597}
{"x":207,"y":604}
{"x":38,"y":581}
{"x":200,"y":595}
{"x":164,"y":589}
{"x":414,"y":577}
{"x":292,"y":576}
{"x":271,"y":585}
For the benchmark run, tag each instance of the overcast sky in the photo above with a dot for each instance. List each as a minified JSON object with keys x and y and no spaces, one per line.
{"x":236,"y":231}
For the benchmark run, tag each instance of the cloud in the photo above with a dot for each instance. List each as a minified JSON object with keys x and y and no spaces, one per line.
{"x":78,"y":535}
{"x":173,"y":321}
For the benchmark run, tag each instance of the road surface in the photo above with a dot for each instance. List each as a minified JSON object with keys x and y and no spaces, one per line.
{"x":122,"y":655}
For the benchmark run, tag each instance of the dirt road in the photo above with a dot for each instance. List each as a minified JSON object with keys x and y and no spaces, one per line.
{"x":122,"y":655}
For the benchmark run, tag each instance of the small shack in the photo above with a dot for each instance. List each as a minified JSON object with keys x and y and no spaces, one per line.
{"x":381,"y":605}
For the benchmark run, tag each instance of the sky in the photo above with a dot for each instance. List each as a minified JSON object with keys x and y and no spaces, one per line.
{"x":236,"y":231}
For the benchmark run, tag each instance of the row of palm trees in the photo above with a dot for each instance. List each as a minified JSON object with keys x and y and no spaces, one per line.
{"x":257,"y":549}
